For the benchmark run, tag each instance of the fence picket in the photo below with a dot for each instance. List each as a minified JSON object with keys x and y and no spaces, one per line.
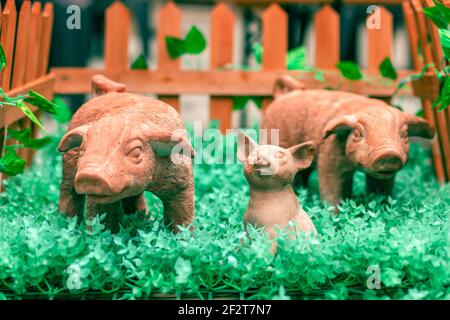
{"x":34,"y":41}
{"x":46,"y":37}
{"x":274,"y":40}
{"x":222,"y":27}
{"x":327,"y":33}
{"x":20,"y":53}
{"x":117,"y":33}
{"x":8,"y":37}
{"x":169,"y":24}
{"x":380,"y":40}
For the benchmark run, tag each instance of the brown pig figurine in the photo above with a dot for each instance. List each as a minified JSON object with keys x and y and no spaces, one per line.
{"x":270,"y":171}
{"x":352,"y":132}
{"x":119,"y":145}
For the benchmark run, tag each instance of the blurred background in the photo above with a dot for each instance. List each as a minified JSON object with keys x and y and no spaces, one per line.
{"x":84,"y":46}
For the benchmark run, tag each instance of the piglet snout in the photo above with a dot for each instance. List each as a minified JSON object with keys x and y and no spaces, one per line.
{"x":390,"y":160}
{"x":92,"y":182}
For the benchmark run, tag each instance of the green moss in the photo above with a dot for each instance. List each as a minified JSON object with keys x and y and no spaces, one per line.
{"x":45,"y":255}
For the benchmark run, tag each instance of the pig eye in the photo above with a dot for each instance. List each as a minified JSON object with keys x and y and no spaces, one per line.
{"x":279,"y":155}
{"x":357,"y":134}
{"x":135,"y":152}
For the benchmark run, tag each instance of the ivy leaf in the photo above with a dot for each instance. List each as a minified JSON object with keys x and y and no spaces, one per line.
{"x":63,"y":113}
{"x":40,"y":102}
{"x":444,"y":35}
{"x":22,"y":106}
{"x":257,"y":52}
{"x":140,"y":63}
{"x":194,"y":42}
{"x":439,"y":14}
{"x":387,"y":70}
{"x":349,"y":70}
{"x":22,"y":136}
{"x":11,"y":163}
{"x":38,"y":143}
{"x":443,"y":100}
{"x":296,"y":59}
{"x":2,"y":58}
{"x":175,"y":47}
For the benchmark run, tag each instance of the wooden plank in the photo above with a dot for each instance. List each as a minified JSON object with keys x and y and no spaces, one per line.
{"x":380,"y":40}
{"x":222,"y":27}
{"x":413,"y":36}
{"x":46,"y":36}
{"x":20,"y":53}
{"x":274,"y":41}
{"x":431,"y":115}
{"x":43,"y":85}
{"x":8,"y":37}
{"x":327,"y":31}
{"x":218,"y":83}
{"x":117,"y":33}
{"x":169,"y":24}
{"x":34,"y":42}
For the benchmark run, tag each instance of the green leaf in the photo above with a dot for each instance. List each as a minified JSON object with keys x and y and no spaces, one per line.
{"x":175,"y":47}
{"x":444,"y":98}
{"x":296,"y":59}
{"x":63,"y":113}
{"x":318,"y":75}
{"x":444,"y":35}
{"x":2,"y":58}
{"x":257,"y":52}
{"x":439,"y":14}
{"x":195,"y":42}
{"x":11,"y":163}
{"x":349,"y":70}
{"x":38,"y":143}
{"x":22,"y":136}
{"x":387,"y":70}
{"x":240,"y":102}
{"x":140,"y":63}
{"x":40,"y":102}
{"x":22,"y":106}
{"x":183,"y":270}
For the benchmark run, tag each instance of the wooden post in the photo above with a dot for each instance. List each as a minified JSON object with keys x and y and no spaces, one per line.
{"x":117,"y":33}
{"x":46,"y":37}
{"x":274,"y":41}
{"x":380,"y":40}
{"x":169,"y":24}
{"x":8,"y":37}
{"x":222,"y":27}
{"x":327,"y":33}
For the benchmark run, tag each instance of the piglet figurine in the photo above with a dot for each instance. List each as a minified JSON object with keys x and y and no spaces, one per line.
{"x":270,"y":171}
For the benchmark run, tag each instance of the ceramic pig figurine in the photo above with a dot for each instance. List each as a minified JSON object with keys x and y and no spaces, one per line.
{"x":352,"y":132}
{"x":270,"y":171}
{"x":119,"y":145}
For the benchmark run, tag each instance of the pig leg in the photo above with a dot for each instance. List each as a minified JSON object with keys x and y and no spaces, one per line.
{"x":178,"y":207}
{"x":334,"y":173}
{"x":134,"y":204}
{"x":379,"y":186}
{"x":70,"y":203}
{"x":113,"y":212}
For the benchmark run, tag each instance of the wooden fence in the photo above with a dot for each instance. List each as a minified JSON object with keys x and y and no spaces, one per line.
{"x":26,"y":38}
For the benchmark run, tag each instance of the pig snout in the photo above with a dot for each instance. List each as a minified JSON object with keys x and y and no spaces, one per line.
{"x":94,"y":182}
{"x":387,"y":160}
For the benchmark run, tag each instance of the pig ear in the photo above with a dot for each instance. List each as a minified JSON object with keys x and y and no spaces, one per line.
{"x":339,"y":125}
{"x":419,"y":127}
{"x":245,"y":146}
{"x":102,"y":85}
{"x":73,"y":138}
{"x":165,"y":143}
{"x":303,"y":154}
{"x":285,"y":84}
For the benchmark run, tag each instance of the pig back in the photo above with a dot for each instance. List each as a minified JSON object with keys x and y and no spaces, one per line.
{"x":301,"y":115}
{"x":145,"y":108}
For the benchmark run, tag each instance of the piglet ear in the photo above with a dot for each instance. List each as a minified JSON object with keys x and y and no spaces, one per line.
{"x":73,"y":138}
{"x":303,"y":154}
{"x":245,"y":146}
{"x":419,"y":127}
{"x":339,"y":125}
{"x":285,"y":84}
{"x":165,"y":143}
{"x":102,"y":85}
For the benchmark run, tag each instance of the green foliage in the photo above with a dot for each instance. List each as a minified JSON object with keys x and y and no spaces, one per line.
{"x":40,"y":102}
{"x":24,"y":137}
{"x":63,"y":113}
{"x":140,"y":63}
{"x":193,"y":43}
{"x":240,"y":102}
{"x":349,"y":70}
{"x":43,"y":254}
{"x":296,"y":59}
{"x":439,"y":14}
{"x":387,"y":70}
{"x":11,"y":163}
{"x":444,"y":36}
{"x":2,"y":58}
